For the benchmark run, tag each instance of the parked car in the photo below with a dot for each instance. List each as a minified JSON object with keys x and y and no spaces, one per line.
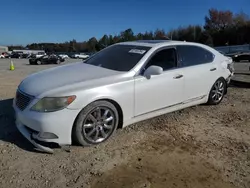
{"x":120,"y":85}
{"x":16,"y":55}
{"x":64,"y":56}
{"x":46,"y":59}
{"x":4,"y":55}
{"x":40,"y":54}
{"x":80,"y":56}
{"x":243,"y":56}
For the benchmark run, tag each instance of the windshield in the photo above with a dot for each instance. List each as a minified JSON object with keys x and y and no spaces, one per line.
{"x":118,"y":57}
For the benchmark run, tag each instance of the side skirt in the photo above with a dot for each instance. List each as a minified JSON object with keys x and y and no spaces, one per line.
{"x":169,"y":109}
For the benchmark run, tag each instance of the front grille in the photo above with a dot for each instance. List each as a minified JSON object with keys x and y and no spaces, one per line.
{"x":22,"y":100}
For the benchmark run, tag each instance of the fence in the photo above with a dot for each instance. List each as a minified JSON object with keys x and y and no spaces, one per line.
{"x":233,"y":49}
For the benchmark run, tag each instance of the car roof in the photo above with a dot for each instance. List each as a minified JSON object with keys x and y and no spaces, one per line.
{"x":156,"y":43}
{"x":161,"y":43}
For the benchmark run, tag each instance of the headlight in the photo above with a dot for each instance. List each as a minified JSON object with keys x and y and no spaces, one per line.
{"x":51,"y":104}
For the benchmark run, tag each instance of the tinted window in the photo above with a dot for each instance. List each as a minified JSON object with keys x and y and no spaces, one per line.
{"x":118,"y":57}
{"x":193,"y":55}
{"x":164,"y":58}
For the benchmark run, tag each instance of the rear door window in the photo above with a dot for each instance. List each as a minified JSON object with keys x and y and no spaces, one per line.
{"x":193,"y":55}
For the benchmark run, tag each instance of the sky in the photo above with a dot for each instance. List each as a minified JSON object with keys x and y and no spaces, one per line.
{"x":29,"y":21}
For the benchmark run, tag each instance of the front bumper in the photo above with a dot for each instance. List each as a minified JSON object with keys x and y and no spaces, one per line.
{"x":52,"y":127}
{"x":29,"y":136}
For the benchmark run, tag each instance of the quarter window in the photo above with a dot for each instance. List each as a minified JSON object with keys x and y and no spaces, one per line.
{"x":165,"y":58}
{"x":193,"y":55}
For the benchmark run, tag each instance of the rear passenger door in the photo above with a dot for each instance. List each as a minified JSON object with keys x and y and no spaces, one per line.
{"x":199,"y":71}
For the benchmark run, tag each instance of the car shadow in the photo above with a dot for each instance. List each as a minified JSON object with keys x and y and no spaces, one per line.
{"x":8,"y":130}
{"x":239,"y":84}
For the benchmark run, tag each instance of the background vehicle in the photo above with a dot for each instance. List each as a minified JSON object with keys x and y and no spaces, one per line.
{"x":64,"y":56}
{"x":80,"y":56}
{"x":46,"y":59}
{"x":240,"y":56}
{"x":243,"y":56}
{"x":4,"y":55}
{"x":16,"y":55}
{"x":118,"y":86}
{"x":40,"y":54}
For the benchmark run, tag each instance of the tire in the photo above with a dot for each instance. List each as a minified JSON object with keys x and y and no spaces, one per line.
{"x":217,"y":92}
{"x":87,"y":125}
{"x":38,"y":62}
{"x":58,"y":62}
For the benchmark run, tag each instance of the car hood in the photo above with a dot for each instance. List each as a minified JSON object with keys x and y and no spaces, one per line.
{"x":65,"y":75}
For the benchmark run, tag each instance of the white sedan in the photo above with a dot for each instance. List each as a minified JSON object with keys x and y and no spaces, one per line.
{"x":118,"y":86}
{"x":64,"y":56}
{"x":80,"y":56}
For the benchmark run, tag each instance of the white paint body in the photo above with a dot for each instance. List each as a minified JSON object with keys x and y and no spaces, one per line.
{"x":64,"y":56}
{"x":140,"y":98}
{"x":40,"y":55}
{"x":81,"y":56}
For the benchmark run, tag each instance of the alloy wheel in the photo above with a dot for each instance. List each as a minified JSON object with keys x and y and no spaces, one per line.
{"x":98,"y":124}
{"x":218,"y":91}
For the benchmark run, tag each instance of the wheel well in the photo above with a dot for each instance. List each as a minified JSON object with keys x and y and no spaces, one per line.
{"x":117,"y":106}
{"x":222,"y":78}
{"x":119,"y":109}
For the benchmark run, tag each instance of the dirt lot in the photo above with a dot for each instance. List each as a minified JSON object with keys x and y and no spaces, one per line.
{"x":199,"y":147}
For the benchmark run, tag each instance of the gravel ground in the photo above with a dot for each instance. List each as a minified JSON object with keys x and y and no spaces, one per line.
{"x":202,"y":146}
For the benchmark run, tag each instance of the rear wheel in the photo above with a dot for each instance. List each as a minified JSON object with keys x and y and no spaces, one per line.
{"x":38,"y":62}
{"x":95,"y":123}
{"x":217,"y":92}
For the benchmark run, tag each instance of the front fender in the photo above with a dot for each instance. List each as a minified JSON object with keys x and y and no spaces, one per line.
{"x":122,"y":94}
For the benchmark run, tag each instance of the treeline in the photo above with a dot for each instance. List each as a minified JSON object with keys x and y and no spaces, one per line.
{"x":221,"y":28}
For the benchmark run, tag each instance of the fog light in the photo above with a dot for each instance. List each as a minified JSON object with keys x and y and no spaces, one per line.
{"x":46,"y":135}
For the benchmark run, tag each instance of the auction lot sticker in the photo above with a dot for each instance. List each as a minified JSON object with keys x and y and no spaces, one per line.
{"x":137,"y":51}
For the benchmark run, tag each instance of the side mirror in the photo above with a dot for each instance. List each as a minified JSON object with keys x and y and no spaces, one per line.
{"x":153,"y":70}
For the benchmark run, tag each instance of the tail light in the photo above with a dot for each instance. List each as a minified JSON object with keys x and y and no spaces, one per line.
{"x":230,"y":64}
{"x":230,"y":67}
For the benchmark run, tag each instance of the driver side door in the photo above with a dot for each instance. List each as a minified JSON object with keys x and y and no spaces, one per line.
{"x":159,"y":91}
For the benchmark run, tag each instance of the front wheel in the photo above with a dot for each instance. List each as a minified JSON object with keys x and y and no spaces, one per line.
{"x":95,"y":123}
{"x":217,"y":92}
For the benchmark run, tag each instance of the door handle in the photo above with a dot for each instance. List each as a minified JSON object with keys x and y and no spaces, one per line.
{"x":212,"y":69}
{"x":178,"y":76}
